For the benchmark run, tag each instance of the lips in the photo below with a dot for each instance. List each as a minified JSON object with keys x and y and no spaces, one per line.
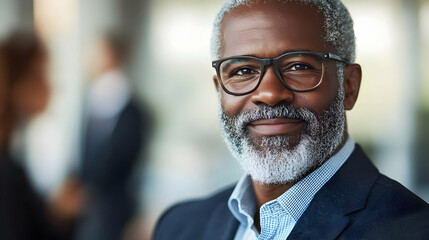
{"x":277,"y":126}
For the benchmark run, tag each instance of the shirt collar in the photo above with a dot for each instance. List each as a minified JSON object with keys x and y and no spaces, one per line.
{"x":242,"y":202}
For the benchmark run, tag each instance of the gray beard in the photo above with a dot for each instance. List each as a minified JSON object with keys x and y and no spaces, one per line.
{"x":282,"y":159}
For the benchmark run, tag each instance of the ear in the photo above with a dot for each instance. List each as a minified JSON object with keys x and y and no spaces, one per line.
{"x":216,"y":82}
{"x":352,"y":79}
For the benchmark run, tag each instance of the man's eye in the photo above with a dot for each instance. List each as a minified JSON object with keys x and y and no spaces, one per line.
{"x":300,"y":66}
{"x":243,"y":72}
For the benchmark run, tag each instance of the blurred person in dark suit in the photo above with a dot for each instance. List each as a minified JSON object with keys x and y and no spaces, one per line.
{"x":115,"y":128}
{"x":24,"y":92}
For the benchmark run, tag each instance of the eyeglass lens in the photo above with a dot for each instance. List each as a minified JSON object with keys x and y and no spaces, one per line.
{"x":298,"y":71}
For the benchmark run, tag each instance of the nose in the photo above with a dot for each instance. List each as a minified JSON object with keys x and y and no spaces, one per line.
{"x":271,"y":90}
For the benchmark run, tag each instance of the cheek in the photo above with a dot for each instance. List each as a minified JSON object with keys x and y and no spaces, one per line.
{"x":319,"y":99}
{"x":233,"y":105}
{"x":325,"y":95}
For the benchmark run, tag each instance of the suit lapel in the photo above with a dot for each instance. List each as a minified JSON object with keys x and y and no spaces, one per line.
{"x":346,"y":192}
{"x":221,"y":225}
{"x":230,"y":228}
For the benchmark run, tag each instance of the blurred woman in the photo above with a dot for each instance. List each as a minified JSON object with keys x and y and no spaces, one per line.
{"x":24,"y":92}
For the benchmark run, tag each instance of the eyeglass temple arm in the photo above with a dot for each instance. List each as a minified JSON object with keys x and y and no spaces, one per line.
{"x":336,"y":57}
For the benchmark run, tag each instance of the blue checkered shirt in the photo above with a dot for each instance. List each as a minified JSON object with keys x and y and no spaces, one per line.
{"x":279,"y":216}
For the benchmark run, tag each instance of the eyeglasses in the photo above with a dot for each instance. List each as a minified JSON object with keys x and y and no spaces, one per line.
{"x":298,"y":71}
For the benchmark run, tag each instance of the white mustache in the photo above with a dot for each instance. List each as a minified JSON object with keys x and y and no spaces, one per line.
{"x":267,"y":112}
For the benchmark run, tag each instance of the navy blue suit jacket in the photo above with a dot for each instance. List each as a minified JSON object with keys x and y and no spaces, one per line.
{"x":354,"y":203}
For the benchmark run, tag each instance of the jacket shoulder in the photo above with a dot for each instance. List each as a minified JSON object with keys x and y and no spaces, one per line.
{"x":190,"y":218}
{"x":390,"y":196}
{"x":395,"y":212}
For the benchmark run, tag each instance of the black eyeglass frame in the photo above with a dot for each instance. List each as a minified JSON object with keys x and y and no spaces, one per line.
{"x":273,"y":61}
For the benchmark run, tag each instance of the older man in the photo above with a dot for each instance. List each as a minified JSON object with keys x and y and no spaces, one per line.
{"x":285,"y":76}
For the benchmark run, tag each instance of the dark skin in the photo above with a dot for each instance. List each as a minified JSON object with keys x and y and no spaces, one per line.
{"x":266,"y":31}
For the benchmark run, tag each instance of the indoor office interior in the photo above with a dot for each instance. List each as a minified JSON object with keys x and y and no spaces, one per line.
{"x":162,"y":51}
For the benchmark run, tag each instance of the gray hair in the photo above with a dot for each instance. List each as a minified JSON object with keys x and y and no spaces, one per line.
{"x":338,"y":25}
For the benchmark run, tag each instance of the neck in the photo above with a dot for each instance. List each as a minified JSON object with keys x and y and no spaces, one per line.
{"x":267,"y":192}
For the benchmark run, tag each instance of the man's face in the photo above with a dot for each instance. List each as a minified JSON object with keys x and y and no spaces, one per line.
{"x":279,"y":135}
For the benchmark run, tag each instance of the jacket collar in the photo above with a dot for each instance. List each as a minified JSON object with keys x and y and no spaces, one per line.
{"x":346,"y":192}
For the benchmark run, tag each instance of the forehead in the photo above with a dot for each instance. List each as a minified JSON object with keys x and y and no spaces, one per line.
{"x":268,"y":29}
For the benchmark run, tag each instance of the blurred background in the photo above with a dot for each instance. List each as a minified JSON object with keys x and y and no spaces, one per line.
{"x":149,"y":62}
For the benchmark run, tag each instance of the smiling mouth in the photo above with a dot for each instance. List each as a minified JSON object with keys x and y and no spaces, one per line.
{"x":276,"y":126}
